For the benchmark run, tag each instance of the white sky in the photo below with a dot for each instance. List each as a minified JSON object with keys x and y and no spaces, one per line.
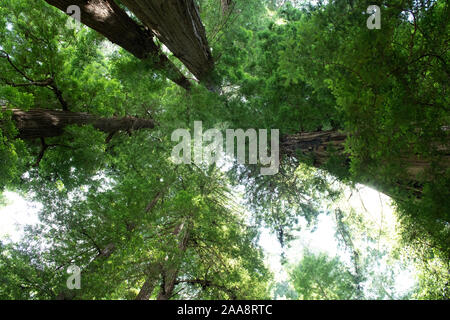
{"x":15,"y":215}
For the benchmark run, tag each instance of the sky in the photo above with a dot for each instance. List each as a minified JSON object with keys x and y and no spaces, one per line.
{"x":15,"y":215}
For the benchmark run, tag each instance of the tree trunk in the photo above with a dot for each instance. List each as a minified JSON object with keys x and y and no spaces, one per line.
{"x":150,"y":283}
{"x":107,"y":18}
{"x":225,"y":4}
{"x":318,"y":144}
{"x":321,"y":145}
{"x":177,"y":24}
{"x":147,"y":289}
{"x":41,"y":123}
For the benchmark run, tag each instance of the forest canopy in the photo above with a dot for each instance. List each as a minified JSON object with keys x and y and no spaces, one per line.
{"x":90,"y":98}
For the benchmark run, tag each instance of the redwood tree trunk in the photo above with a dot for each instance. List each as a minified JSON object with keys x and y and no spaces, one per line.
{"x":41,"y":123}
{"x":318,"y":144}
{"x":321,"y":145}
{"x":107,"y":18}
{"x":177,"y":24}
{"x":150,"y":283}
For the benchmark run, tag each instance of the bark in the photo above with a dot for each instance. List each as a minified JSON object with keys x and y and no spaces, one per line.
{"x":153,"y":203}
{"x":318,"y":144}
{"x":177,"y":24}
{"x":150,"y":283}
{"x":147,"y":289}
{"x":225,"y":4}
{"x":321,"y":145}
{"x":108,"y":19}
{"x":41,"y":123}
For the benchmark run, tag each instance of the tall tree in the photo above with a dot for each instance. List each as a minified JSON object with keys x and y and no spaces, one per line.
{"x":178,"y":25}
{"x":107,"y":18}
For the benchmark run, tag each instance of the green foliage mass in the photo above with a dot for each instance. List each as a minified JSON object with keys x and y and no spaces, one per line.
{"x":117,"y":206}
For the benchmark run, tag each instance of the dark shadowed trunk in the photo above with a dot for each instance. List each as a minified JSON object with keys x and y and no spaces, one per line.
{"x":320,"y":146}
{"x":147,"y":289}
{"x":41,"y":123}
{"x":177,"y":24}
{"x":107,"y":18}
{"x":153,"y":274}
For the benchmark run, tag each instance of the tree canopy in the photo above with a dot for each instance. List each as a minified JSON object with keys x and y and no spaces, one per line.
{"x":88,"y":110}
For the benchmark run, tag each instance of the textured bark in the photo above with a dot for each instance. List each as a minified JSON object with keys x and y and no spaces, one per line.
{"x":147,"y":289}
{"x":107,"y":18}
{"x":41,"y":123}
{"x":150,"y":283}
{"x":316,"y":143}
{"x":177,"y":24}
{"x":320,"y":144}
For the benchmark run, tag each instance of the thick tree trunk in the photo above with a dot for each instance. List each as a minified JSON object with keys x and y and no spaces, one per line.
{"x":177,"y":24}
{"x":318,"y":144}
{"x":321,"y":145}
{"x":41,"y":123}
{"x":107,"y":18}
{"x":150,"y":283}
{"x":147,"y":289}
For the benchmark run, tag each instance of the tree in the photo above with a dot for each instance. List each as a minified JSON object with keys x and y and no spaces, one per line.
{"x":365,"y":106}
{"x":41,"y":123}
{"x":111,"y":21}
{"x":318,"y":277}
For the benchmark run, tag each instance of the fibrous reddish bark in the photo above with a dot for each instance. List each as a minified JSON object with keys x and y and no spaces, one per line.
{"x":177,"y":24}
{"x":321,"y":145}
{"x":317,"y":143}
{"x":107,"y":18}
{"x":41,"y":123}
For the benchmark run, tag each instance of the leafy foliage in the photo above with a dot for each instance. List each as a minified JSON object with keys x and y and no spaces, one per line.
{"x":116,"y":206}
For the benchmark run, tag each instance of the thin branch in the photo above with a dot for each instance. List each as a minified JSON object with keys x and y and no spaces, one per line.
{"x":8,"y":57}
{"x":50,"y":82}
